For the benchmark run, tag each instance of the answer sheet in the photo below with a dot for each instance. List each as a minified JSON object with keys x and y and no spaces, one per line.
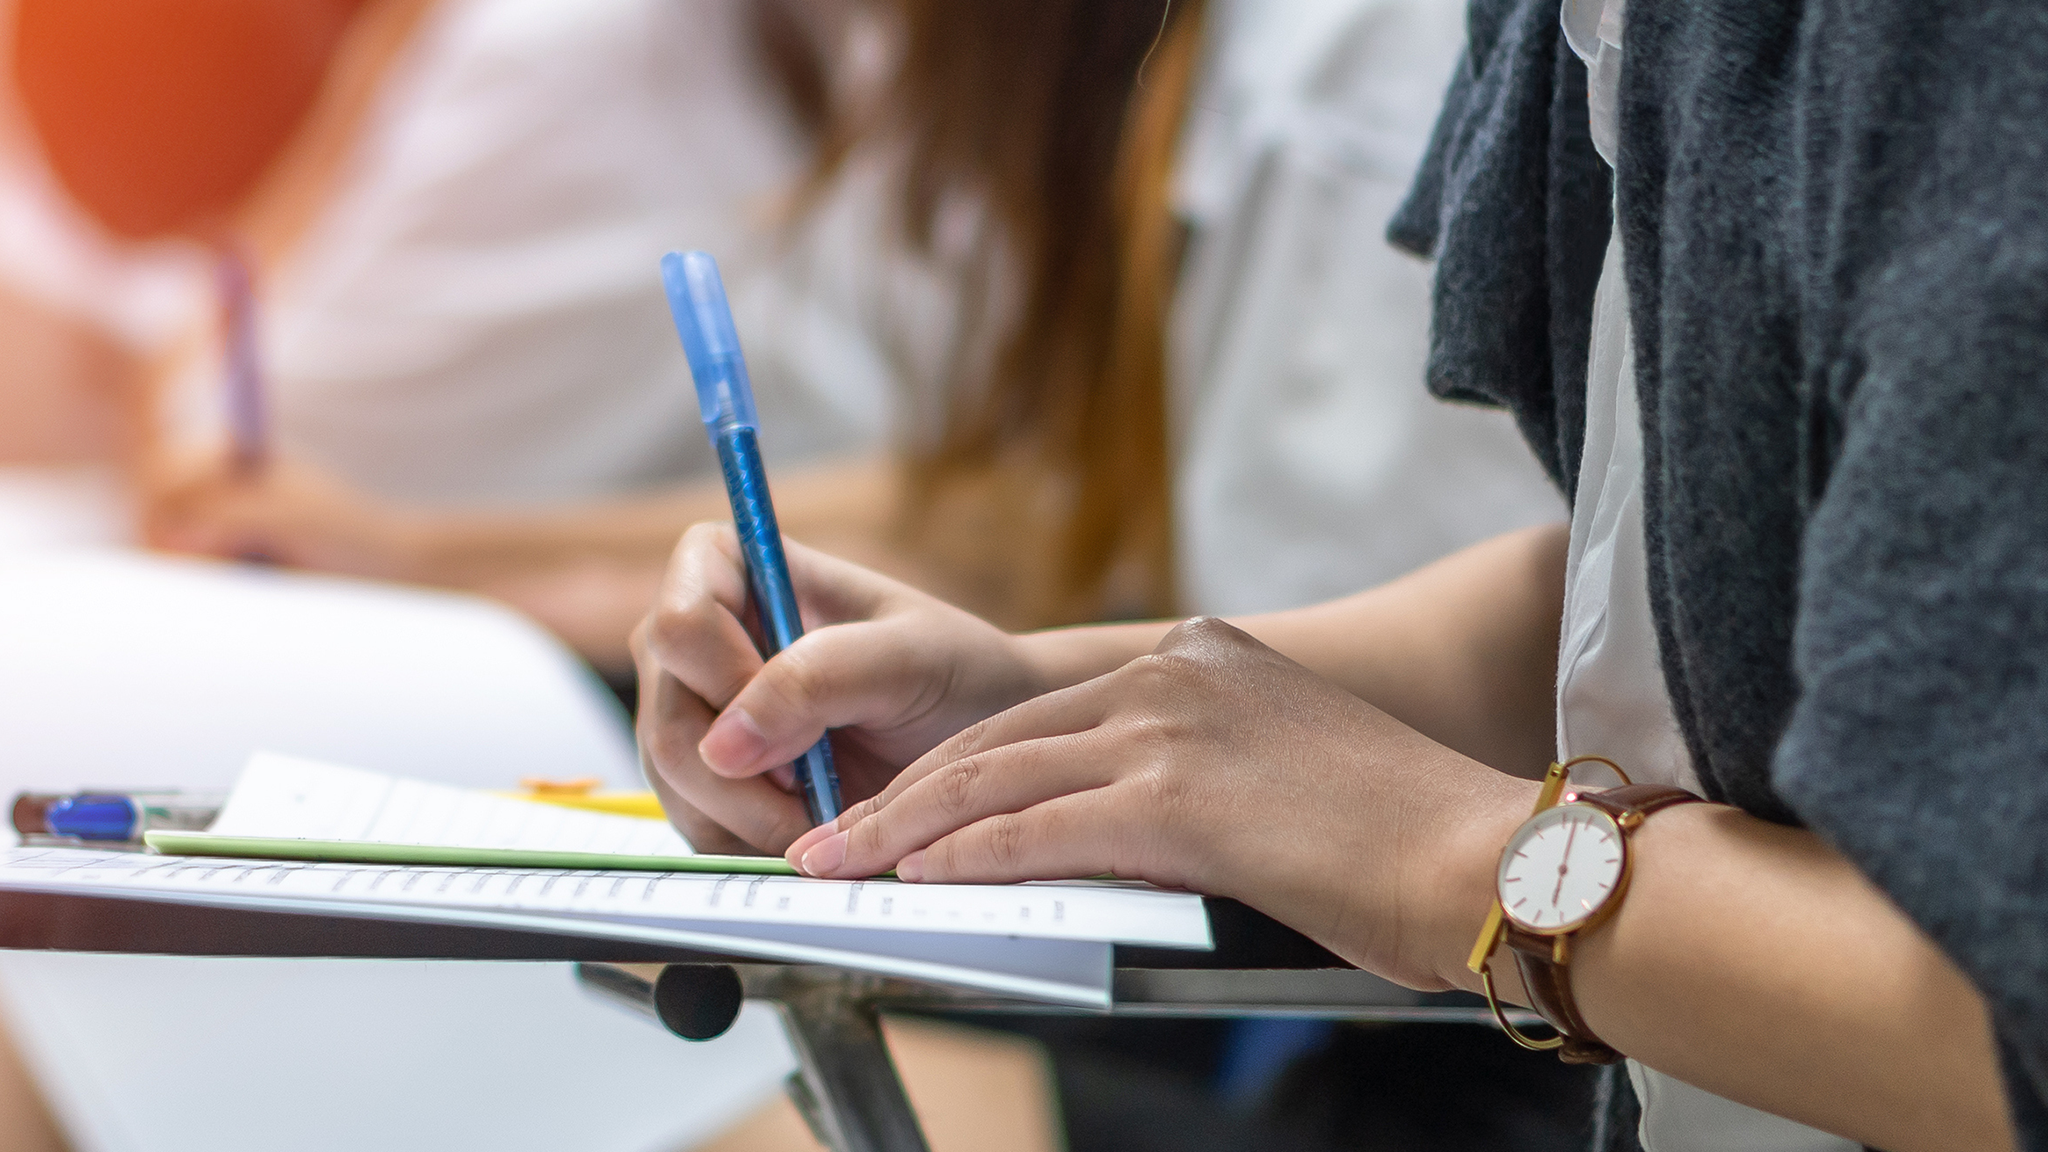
{"x":286,"y":797}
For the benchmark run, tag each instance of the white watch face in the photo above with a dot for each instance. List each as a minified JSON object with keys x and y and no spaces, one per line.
{"x":1560,"y":867}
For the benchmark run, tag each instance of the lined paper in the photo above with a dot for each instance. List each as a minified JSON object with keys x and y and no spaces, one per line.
{"x":1078,"y":911}
{"x":1042,"y":941}
{"x":1045,"y":941}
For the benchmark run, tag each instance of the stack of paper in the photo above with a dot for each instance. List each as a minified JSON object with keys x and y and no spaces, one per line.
{"x":1041,"y":941}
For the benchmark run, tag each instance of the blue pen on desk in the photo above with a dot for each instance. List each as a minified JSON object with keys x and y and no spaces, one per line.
{"x":111,"y":817}
{"x":697,"y":298}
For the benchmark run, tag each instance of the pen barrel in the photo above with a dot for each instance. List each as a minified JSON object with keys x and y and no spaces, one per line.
{"x":819,"y":778}
{"x":753,"y":517}
{"x":753,"y":514}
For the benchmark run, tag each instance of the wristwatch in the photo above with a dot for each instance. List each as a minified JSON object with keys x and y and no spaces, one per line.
{"x":1564,"y":871}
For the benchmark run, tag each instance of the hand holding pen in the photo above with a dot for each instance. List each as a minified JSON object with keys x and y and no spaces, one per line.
{"x":893,"y":671}
{"x":890,"y":670}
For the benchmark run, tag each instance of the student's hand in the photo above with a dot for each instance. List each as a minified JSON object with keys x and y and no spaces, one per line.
{"x":891,"y":670}
{"x":1214,"y":764}
{"x":288,"y":513}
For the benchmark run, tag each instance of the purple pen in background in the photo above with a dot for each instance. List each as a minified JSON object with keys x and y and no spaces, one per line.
{"x":242,"y":370}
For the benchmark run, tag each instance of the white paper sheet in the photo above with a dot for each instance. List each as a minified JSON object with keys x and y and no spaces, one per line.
{"x":285,"y":796}
{"x":290,"y":797}
{"x":1042,"y":941}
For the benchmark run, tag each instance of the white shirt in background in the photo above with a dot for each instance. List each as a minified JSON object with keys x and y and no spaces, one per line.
{"x":476,"y":316}
{"x":1310,"y":459}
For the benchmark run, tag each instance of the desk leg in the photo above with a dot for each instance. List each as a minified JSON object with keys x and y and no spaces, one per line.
{"x":846,"y":1086}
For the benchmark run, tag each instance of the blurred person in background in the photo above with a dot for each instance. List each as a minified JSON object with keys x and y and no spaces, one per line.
{"x":1105,"y":326}
{"x":79,"y":317}
{"x":451,"y":226}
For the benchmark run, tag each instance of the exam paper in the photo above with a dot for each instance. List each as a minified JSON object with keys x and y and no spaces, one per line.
{"x":1048,"y":942}
{"x":1042,"y":941}
{"x":1124,"y":914}
{"x":286,"y":797}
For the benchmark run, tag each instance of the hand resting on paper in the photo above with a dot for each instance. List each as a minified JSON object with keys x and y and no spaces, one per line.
{"x":1214,"y":764}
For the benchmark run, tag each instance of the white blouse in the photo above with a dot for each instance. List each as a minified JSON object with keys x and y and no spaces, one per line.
{"x":1310,"y":461}
{"x":1611,"y":695}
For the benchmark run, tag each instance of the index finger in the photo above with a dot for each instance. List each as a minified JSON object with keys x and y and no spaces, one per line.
{"x":1018,"y":757}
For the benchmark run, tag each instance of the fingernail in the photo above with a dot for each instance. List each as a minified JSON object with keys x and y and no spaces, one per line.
{"x":733,"y":743}
{"x":802,"y":844}
{"x":911,"y":867}
{"x":825,"y":857}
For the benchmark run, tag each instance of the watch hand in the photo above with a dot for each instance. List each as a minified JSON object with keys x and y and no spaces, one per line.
{"x":1565,"y":866}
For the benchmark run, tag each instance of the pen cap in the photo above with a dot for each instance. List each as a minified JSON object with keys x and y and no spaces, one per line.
{"x":30,"y":810}
{"x":696,"y":297}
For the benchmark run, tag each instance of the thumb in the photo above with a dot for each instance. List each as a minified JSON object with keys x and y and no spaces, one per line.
{"x":862,"y":674}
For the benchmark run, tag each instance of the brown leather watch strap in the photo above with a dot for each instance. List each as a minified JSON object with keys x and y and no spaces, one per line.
{"x":1550,"y":992}
{"x":1641,"y":799}
{"x":1545,"y":961}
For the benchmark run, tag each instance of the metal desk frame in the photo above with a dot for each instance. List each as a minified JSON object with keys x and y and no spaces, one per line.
{"x":846,"y":1086}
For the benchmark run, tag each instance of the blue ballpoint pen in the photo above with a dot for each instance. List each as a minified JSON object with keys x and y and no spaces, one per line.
{"x":697,"y":298}
{"x":111,"y":817}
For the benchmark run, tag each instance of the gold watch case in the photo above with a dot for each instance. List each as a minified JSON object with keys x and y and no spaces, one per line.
{"x":1597,"y":908}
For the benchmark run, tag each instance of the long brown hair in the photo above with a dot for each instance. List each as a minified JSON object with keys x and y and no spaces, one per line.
{"x":1046,"y":479}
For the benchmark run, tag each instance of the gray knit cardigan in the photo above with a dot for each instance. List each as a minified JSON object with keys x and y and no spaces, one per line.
{"x":1836,"y":223}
